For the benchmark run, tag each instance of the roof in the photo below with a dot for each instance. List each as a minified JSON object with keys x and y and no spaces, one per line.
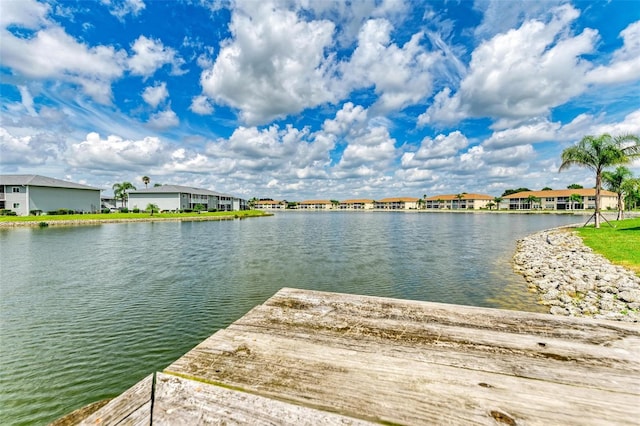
{"x":315,"y":202}
{"x":172,"y":189}
{"x":269,"y":202}
{"x":363,"y":201}
{"x":584,"y":192}
{"x":399,"y":200}
{"x":449,"y":197}
{"x":37,"y":180}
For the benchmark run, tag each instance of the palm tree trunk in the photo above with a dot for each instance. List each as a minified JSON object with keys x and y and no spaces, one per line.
{"x":598,"y":184}
{"x":620,"y":208}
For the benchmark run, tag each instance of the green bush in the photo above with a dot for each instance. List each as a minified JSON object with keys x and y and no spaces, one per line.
{"x":7,"y":212}
{"x":106,"y":211}
{"x":35,"y":212}
{"x":212,"y":210}
{"x":136,"y":210}
{"x":124,"y":210}
{"x":187,"y":210}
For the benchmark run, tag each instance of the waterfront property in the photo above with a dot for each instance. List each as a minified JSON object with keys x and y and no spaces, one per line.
{"x":458,"y":201}
{"x":302,"y":357}
{"x":35,"y":194}
{"x":177,"y":197}
{"x":315,"y":205}
{"x":560,"y":199}
{"x":397,"y":203}
{"x":356,"y":204}
{"x":270,"y":205}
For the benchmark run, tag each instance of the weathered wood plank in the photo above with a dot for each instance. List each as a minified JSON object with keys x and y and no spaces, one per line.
{"x":416,"y":362}
{"x":179,"y":401}
{"x":133,"y":407}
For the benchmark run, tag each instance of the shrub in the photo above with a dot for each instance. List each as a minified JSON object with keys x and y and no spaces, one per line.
{"x":35,"y":212}
{"x":7,"y":212}
{"x":212,"y":210}
{"x":105,"y":211}
{"x":187,"y":210}
{"x":136,"y":210}
{"x":124,"y":210}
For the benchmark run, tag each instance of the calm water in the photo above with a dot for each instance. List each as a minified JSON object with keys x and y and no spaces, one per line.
{"x":86,"y":312}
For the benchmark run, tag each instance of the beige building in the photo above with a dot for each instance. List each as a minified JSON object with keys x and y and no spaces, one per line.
{"x":458,"y":201}
{"x":356,"y":204}
{"x":398,"y":203}
{"x":269,"y":205}
{"x":560,"y":199}
{"x":316,"y":205}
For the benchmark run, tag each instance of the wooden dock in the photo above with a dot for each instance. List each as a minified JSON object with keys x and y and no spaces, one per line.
{"x":307,"y":357}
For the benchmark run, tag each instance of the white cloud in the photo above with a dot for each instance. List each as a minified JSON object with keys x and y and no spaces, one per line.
{"x":401,"y":75}
{"x":26,"y":13}
{"x":114,"y":152}
{"x":349,"y":117}
{"x":27,"y":100}
{"x":538,"y":131}
{"x":499,"y":16}
{"x":520,"y":74}
{"x":53,"y":54}
{"x":275,"y":64}
{"x":201,"y":105}
{"x":122,"y":8}
{"x":442,"y":146}
{"x":164,"y":119}
{"x":154,"y":95}
{"x":625,"y":64}
{"x":370,"y":147}
{"x":23,"y":150}
{"x":149,"y":55}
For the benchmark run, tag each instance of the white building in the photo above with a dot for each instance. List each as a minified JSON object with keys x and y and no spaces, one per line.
{"x":560,"y":199}
{"x":25,"y":194}
{"x":176,"y":197}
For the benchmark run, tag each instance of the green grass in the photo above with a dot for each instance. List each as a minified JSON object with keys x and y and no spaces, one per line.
{"x":112,"y":216}
{"x":621,"y":245}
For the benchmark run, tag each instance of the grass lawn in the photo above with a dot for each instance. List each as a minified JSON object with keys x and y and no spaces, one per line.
{"x":621,"y":245}
{"x":113,"y":216}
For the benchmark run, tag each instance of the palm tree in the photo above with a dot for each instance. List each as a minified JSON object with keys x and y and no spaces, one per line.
{"x":153,"y":208}
{"x":146,"y":180}
{"x":490,"y":204}
{"x":120,"y":191}
{"x":532,"y":199}
{"x":597,"y":153}
{"x":573,"y":199}
{"x":614,"y":181}
{"x":459,"y":197}
{"x":497,"y":200}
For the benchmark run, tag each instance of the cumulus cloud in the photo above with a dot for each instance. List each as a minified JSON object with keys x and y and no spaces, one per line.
{"x":350,"y":117}
{"x":520,"y":74}
{"x":498,"y":16}
{"x":201,"y":105}
{"x":538,"y":131}
{"x":154,"y":95}
{"x":625,"y":63}
{"x":149,"y":55}
{"x":369,"y":147}
{"x":26,"y":13}
{"x":164,"y":119}
{"x":95,"y":153}
{"x":274,"y":65}
{"x":24,"y":150}
{"x":375,"y":56}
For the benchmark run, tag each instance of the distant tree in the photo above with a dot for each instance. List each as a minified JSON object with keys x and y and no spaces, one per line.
{"x":490,"y":204}
{"x":198,"y":208}
{"x":573,"y":199}
{"x":152,"y":208}
{"x":597,"y":153}
{"x":155,"y":185}
{"x":514,"y":191}
{"x":252,"y":202}
{"x":546,"y":188}
{"x":632,"y":193}
{"x":120,"y":191}
{"x":420,"y":203}
{"x":459,"y":197}
{"x":146,"y":180}
{"x":575,"y":186}
{"x":614,"y":181}
{"x":440,"y":203}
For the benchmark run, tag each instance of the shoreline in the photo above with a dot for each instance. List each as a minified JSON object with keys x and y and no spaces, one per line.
{"x":574,"y":281}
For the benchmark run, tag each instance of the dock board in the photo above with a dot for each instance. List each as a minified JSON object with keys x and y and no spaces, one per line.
{"x":307,"y":357}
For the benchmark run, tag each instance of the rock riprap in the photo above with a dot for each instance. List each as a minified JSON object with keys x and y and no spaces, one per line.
{"x":573,"y":280}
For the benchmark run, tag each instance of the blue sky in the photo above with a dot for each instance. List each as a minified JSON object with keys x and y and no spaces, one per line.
{"x":303,"y":99}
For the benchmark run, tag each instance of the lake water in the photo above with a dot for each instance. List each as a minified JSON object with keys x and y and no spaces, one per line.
{"x":88,"y":311}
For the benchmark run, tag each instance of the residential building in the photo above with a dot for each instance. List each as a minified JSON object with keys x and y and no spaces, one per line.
{"x":560,"y":199}
{"x":176,"y":197}
{"x":24,"y":194}
{"x":398,"y":203}
{"x":356,"y":204}
{"x":315,"y":205}
{"x":269,"y":205}
{"x":458,"y":201}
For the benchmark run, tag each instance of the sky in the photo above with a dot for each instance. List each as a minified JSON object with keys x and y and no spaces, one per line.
{"x":315,"y":99}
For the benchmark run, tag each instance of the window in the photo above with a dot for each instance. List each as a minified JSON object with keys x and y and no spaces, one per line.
{"x":15,"y":189}
{"x":16,"y":205}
